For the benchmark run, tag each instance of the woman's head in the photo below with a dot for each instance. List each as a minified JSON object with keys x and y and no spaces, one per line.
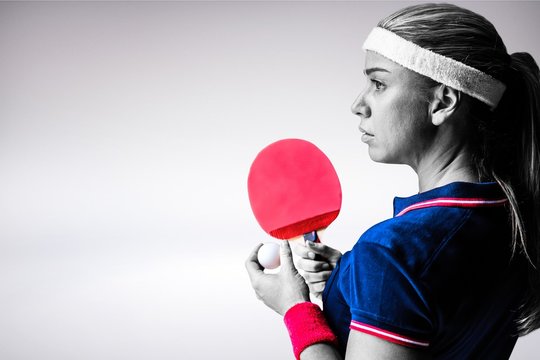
{"x":462,"y":49}
{"x":497,"y":99}
{"x":441,"y":36}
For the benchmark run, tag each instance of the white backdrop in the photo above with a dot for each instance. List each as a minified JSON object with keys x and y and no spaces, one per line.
{"x":126,"y":134}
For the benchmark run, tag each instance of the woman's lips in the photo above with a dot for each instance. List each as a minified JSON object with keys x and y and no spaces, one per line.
{"x":366,"y":136}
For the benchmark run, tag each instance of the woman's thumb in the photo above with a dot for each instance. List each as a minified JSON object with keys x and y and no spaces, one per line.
{"x":324,"y":251}
{"x":317,"y":247}
{"x":285,"y":255}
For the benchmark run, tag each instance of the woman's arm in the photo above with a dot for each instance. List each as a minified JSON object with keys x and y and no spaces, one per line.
{"x":363,"y":346}
{"x":282,"y":291}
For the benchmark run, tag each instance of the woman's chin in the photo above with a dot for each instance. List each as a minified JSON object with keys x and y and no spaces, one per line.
{"x":376,"y":156}
{"x":382,"y":157}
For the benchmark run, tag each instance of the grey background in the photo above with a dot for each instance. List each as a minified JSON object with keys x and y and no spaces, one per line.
{"x":126,"y":134}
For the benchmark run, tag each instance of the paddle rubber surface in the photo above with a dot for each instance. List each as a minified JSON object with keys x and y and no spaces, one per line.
{"x":293,"y":189}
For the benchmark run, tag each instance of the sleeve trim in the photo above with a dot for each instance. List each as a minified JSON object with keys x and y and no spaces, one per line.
{"x":387,"y":335}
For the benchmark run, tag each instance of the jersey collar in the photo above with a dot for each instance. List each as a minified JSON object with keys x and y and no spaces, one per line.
{"x":457,"y":194}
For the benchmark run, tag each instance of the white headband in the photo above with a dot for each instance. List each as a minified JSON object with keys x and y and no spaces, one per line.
{"x":440,"y":68}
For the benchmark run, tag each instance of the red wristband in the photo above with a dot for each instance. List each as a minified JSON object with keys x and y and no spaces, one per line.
{"x":307,"y":326}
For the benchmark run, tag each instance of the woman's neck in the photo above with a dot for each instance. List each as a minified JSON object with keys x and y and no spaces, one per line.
{"x":444,"y":166}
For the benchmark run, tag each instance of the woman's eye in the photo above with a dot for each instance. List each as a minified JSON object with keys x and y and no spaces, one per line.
{"x":378,"y":85}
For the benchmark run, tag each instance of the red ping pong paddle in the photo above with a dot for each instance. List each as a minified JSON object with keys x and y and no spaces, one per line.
{"x":293,"y":189}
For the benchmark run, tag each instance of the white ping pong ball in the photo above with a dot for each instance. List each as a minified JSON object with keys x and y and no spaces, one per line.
{"x":268,"y":255}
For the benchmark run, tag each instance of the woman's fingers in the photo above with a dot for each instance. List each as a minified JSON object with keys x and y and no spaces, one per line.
{"x":278,"y":291}
{"x":312,"y":265}
{"x":317,"y":251}
{"x":316,"y":261}
{"x":253,"y":267}
{"x":285,"y":255}
{"x":303,"y":252}
{"x":315,"y":277}
{"x":325,"y":252}
{"x":317,"y":288}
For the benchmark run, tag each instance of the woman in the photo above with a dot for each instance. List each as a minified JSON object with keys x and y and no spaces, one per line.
{"x":455,"y":273}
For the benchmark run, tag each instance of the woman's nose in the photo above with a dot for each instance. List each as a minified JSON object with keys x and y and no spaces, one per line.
{"x":360,"y":108}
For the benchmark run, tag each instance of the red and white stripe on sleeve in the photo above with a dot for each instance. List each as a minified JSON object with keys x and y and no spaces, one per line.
{"x":387,"y":335}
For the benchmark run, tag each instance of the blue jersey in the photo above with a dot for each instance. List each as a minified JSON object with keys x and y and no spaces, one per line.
{"x":439,"y":275}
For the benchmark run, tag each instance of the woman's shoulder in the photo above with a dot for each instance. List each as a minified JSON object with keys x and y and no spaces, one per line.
{"x":417,"y":237}
{"x":438,"y":236}
{"x":423,"y":225}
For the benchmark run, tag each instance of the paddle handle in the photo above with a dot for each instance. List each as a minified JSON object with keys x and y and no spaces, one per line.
{"x":313,"y":236}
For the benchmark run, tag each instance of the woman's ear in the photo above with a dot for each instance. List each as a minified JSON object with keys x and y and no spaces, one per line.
{"x":445,"y":102}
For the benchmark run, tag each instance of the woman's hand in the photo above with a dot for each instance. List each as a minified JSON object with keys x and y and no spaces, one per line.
{"x":278,"y":291}
{"x":317,"y":262}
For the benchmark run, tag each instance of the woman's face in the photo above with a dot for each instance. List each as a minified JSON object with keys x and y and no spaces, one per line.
{"x":394,"y":113}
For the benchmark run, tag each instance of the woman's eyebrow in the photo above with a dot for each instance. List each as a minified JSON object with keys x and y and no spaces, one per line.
{"x":370,"y":70}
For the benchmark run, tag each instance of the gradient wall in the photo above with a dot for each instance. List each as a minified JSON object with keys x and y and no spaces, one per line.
{"x":126,"y":134}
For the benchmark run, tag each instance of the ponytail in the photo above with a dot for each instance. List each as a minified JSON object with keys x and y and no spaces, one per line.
{"x":508,"y":152}
{"x":523,"y":189}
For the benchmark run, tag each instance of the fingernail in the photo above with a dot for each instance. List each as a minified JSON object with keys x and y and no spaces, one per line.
{"x":311,"y":255}
{"x":326,"y":266}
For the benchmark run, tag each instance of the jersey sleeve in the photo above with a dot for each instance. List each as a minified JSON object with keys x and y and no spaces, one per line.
{"x":385,"y":298}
